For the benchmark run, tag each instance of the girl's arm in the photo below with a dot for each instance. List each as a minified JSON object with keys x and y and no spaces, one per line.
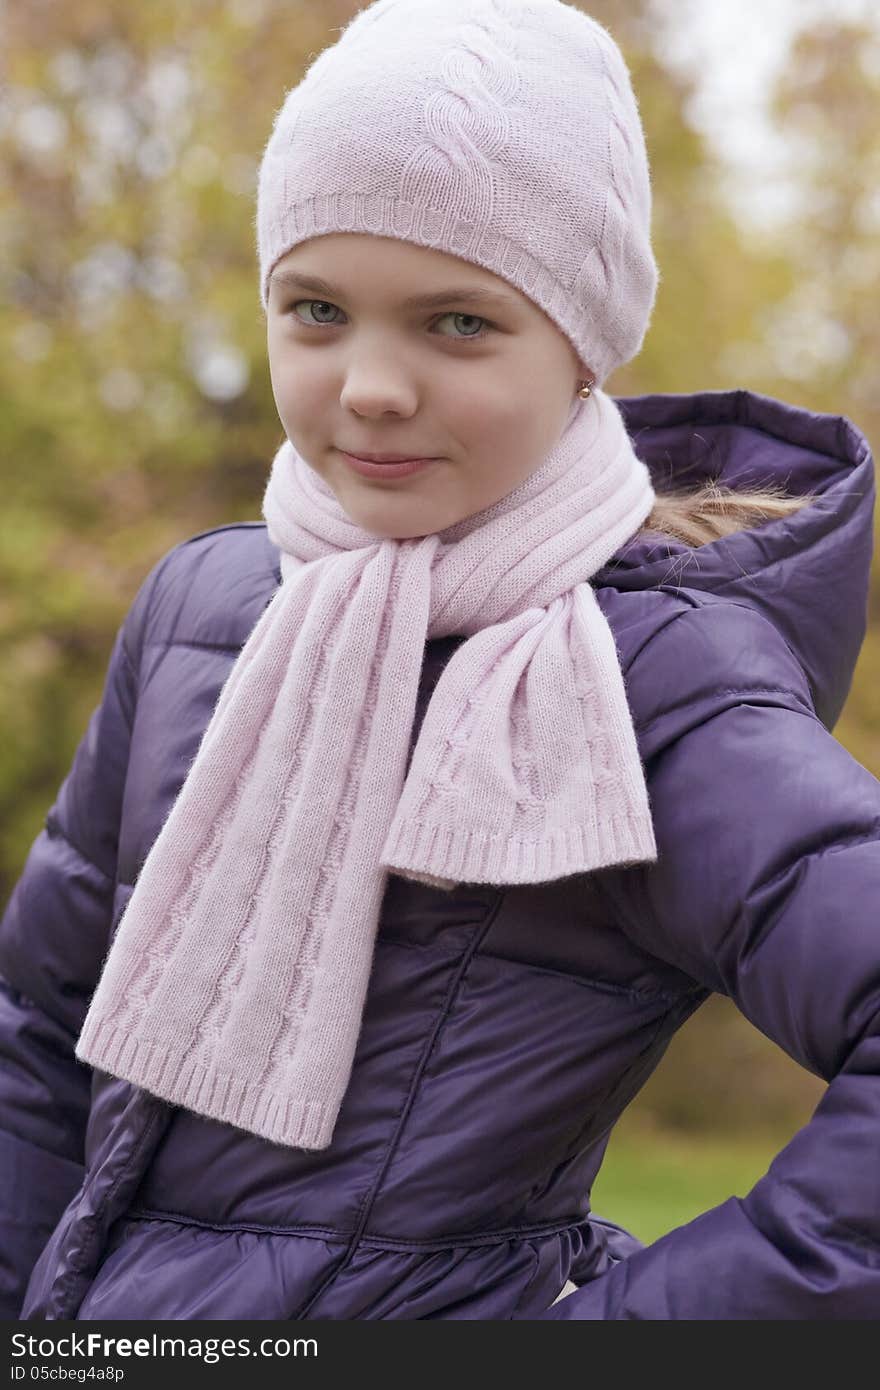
{"x":766,"y":889}
{"x":53,"y":938}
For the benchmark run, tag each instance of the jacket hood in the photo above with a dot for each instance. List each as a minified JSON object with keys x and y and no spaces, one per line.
{"x":807,"y":573}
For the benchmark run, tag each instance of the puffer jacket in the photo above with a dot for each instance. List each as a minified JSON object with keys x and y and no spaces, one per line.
{"x":505,"y":1030}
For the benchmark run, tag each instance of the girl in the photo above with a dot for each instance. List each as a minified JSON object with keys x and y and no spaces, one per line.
{"x":413,"y":822}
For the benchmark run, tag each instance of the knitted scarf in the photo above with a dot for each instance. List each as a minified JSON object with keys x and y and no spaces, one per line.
{"x":236,"y":980}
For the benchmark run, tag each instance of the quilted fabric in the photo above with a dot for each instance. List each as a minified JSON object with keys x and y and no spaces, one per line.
{"x":505,"y":1030}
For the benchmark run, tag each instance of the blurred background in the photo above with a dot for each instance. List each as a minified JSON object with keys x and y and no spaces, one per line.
{"x":136,"y":408}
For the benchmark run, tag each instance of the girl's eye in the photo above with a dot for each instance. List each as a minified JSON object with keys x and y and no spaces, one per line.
{"x":474,"y":318}
{"x":324,"y":304}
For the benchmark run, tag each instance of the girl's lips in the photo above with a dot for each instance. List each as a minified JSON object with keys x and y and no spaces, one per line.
{"x":386,"y":470}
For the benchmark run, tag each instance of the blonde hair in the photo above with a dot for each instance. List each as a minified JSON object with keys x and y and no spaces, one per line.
{"x":701,"y":515}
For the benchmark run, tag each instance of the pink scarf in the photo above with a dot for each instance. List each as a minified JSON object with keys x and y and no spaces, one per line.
{"x":236,"y":981}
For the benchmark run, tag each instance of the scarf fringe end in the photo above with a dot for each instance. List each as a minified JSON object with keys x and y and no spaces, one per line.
{"x":298,"y":1124}
{"x":460,"y":855}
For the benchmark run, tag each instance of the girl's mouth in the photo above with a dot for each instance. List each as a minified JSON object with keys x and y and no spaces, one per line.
{"x":386,"y":470}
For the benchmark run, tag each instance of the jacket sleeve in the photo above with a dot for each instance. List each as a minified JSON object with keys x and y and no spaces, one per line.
{"x":53,"y":938}
{"x":766,"y":889}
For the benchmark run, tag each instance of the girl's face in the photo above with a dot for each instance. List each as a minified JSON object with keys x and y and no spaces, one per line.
{"x":482,"y":386}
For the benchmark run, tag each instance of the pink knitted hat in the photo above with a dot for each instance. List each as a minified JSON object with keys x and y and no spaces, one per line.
{"x":505,"y":132}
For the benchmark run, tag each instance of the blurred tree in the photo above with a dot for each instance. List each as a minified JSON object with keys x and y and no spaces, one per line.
{"x":136,"y":406}
{"x":715,"y":283}
{"x":828,"y":101}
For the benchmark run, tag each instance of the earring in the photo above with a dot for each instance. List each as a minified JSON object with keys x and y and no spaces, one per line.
{"x":584,"y":389}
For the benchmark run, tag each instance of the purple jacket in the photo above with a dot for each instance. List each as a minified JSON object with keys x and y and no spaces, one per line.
{"x":505,"y":1030}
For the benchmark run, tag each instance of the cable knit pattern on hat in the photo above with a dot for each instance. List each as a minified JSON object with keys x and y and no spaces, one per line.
{"x":510,"y":136}
{"x":236,"y":981}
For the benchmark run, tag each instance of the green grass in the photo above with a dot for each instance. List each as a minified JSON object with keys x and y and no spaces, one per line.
{"x":652,"y":1180}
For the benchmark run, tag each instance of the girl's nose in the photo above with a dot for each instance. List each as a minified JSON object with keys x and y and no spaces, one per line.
{"x":373,"y":390}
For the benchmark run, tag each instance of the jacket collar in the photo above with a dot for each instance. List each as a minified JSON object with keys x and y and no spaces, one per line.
{"x":807,"y":573}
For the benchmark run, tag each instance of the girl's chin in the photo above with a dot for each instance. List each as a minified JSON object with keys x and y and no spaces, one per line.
{"x":386,"y":517}
{"x":397,"y":533}
{"x":379,"y":524}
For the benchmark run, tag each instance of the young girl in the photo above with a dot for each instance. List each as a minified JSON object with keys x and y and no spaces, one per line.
{"x":413,"y":822}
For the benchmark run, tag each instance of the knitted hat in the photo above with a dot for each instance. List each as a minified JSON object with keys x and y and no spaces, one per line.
{"x":505,"y":132}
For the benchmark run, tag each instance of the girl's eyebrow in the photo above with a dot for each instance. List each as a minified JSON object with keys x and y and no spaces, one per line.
{"x":466,"y":294}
